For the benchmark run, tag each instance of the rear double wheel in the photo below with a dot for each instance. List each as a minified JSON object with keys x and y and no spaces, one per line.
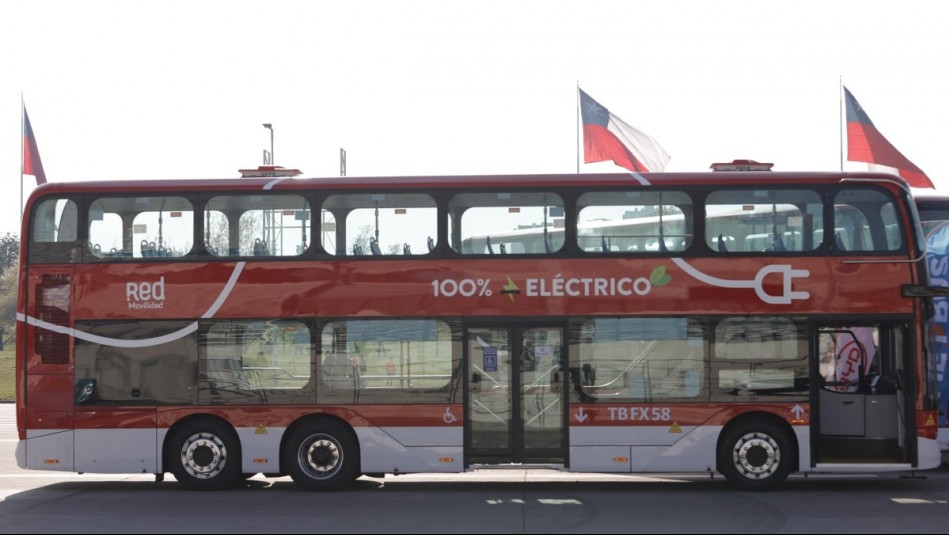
{"x":322,"y":455}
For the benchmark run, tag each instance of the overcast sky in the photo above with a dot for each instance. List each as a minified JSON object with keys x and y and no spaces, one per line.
{"x":180,"y":89}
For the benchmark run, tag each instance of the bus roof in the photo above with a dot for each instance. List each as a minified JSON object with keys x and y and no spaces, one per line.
{"x":468,"y":181}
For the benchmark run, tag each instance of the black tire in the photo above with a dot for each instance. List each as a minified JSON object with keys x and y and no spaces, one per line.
{"x":205,"y":455}
{"x":755,"y":454}
{"x":322,"y":455}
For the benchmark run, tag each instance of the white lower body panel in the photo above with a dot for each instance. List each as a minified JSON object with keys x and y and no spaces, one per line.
{"x":260,"y":451}
{"x":943,"y":438}
{"x":653,"y":449}
{"x":47,"y":449}
{"x":411,"y":449}
{"x":929,"y":454}
{"x":116,"y":451}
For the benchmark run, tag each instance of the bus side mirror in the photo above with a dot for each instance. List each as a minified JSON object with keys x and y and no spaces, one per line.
{"x":85,"y":391}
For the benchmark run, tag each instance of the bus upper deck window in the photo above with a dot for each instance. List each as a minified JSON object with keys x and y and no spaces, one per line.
{"x":55,"y":220}
{"x":634,"y":222}
{"x":502,"y":223}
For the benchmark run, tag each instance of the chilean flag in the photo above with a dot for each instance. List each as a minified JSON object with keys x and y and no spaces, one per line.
{"x":866,"y":144}
{"x":607,"y":137}
{"x":32,"y":165}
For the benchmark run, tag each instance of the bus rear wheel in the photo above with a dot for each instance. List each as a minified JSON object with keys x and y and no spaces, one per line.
{"x":322,"y":455}
{"x":205,"y":455}
{"x":755,"y":455}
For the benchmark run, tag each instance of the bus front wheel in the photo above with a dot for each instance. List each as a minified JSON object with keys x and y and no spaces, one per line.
{"x":322,"y":455}
{"x":755,"y":454}
{"x":205,"y":455}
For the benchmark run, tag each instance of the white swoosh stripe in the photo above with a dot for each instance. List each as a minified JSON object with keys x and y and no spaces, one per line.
{"x":225,"y":292}
{"x":641,"y":179}
{"x":145,"y":342}
{"x":113,"y":342}
{"x":710,"y":280}
{"x":273,"y":183}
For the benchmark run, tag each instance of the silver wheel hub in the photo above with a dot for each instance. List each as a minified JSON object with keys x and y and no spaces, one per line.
{"x":320,"y":456}
{"x":203,"y":455}
{"x":756,"y":455}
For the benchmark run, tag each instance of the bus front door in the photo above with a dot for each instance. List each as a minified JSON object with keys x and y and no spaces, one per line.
{"x":515,"y":396}
{"x":862,"y":396}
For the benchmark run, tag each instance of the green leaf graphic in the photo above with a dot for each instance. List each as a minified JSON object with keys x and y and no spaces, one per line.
{"x":658,"y":277}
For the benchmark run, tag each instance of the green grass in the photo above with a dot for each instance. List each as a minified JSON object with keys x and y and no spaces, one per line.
{"x":7,"y":390}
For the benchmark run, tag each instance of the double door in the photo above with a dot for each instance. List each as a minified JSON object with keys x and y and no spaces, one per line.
{"x":516,"y":395}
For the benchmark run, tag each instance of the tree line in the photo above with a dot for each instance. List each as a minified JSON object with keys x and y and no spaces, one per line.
{"x":9,"y":264}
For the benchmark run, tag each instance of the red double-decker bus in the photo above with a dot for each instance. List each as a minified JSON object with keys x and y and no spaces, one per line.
{"x":755,"y":324}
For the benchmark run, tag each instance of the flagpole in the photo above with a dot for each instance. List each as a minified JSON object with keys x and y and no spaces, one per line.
{"x":578,"y":126}
{"x":22,"y":137}
{"x":840,"y":122}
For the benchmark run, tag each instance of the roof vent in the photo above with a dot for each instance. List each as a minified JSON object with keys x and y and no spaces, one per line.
{"x":742,"y":165}
{"x":269,"y":171}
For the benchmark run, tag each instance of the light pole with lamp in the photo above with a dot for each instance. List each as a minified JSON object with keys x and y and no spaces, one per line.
{"x":269,"y":126}
{"x":268,"y":215}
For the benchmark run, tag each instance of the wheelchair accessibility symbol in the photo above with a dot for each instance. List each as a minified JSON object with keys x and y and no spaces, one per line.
{"x":449,"y":417}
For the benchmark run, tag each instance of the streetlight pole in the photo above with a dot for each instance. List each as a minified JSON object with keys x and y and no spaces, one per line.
{"x":269,"y":216}
{"x":269,"y":126}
